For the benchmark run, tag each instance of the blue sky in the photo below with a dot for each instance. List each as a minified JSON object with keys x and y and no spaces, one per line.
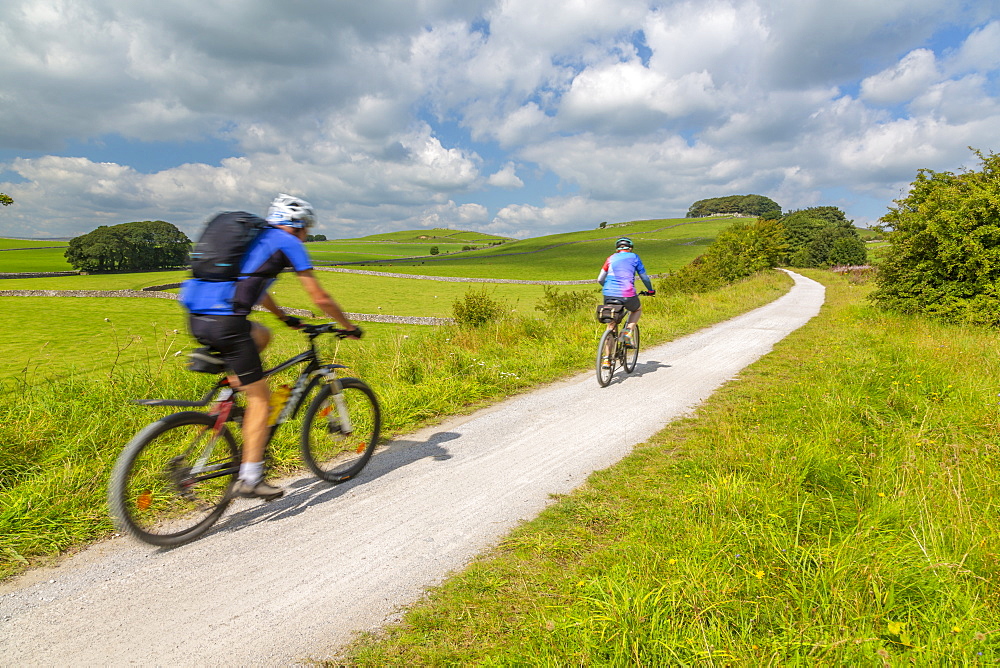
{"x":513,"y":117}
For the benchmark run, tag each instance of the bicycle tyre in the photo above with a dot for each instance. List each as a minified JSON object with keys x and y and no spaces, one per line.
{"x":151,"y":493}
{"x":332,"y":454}
{"x":632,"y":354}
{"x":604,"y":374}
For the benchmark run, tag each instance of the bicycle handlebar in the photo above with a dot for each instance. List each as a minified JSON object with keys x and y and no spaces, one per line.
{"x":326,"y":328}
{"x":647,"y":293}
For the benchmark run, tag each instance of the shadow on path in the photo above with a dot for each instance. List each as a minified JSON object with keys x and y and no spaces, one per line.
{"x":305,"y":492}
{"x":641,"y":369}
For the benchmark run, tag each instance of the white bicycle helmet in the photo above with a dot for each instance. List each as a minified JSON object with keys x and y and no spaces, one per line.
{"x":291,"y":211}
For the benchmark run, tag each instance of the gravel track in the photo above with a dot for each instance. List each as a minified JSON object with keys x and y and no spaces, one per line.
{"x":278,"y":583}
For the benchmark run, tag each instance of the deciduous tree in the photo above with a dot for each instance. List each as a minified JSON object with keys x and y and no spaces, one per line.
{"x":756,"y":206}
{"x":141,"y":245}
{"x":943,"y":257}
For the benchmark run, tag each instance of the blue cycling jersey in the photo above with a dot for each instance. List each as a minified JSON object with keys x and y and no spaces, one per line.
{"x":270,"y":253}
{"x":618,"y":275}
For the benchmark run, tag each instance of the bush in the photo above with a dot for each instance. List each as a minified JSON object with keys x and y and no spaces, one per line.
{"x":943,"y":257}
{"x":739,"y":251}
{"x":435,"y":250}
{"x":822,"y":236}
{"x":693,"y":278}
{"x":476,"y":308}
{"x":554,"y":302}
{"x":746,"y":248}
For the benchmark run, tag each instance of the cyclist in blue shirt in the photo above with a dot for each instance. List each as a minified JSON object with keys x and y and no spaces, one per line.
{"x":218,"y":313}
{"x":618,"y":278}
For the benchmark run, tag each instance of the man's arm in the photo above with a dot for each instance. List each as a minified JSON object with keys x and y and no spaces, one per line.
{"x":601,"y":277}
{"x":267,"y":301}
{"x":322,"y":299}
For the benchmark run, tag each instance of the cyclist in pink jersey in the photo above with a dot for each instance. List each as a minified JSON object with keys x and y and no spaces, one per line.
{"x":618,"y":280}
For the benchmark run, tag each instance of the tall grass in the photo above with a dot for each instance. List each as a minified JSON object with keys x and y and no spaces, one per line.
{"x":836,"y":506}
{"x":60,"y":437}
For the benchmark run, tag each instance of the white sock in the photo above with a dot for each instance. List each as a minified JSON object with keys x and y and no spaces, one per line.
{"x":251,"y":472}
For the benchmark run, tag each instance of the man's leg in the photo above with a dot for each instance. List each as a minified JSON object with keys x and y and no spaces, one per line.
{"x":255,"y":421}
{"x":255,"y":430}
{"x":255,"y":427}
{"x":261,"y":335}
{"x":633,"y":317}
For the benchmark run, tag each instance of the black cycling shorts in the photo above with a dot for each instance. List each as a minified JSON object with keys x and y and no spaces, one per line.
{"x":631,"y":303}
{"x":230,"y":335}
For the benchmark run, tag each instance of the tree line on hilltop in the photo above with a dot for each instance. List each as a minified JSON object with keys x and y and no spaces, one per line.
{"x":942,"y":258}
{"x":819,"y":236}
{"x":752,"y":206}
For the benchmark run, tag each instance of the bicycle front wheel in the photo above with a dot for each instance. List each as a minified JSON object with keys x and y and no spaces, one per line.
{"x":341,"y":430}
{"x":606,"y":357}
{"x":632,"y":353}
{"x":172,"y":481}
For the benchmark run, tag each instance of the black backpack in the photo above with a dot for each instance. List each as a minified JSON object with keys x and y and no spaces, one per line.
{"x":219,"y":252}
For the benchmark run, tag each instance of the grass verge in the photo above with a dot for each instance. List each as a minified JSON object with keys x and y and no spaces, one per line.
{"x":836,"y":506}
{"x":60,"y":437}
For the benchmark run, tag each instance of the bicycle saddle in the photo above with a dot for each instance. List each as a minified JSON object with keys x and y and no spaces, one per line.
{"x":205,"y":360}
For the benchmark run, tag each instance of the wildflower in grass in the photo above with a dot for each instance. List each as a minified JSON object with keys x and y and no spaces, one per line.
{"x":956,"y":629}
{"x":759,"y":575}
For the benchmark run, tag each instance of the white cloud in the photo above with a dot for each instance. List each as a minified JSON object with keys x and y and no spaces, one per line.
{"x":979,"y":52}
{"x":724,"y":38}
{"x":958,"y":101}
{"x":506,"y":177}
{"x":452,"y":216}
{"x":384,"y":113}
{"x":628,"y":98}
{"x":901,"y":83}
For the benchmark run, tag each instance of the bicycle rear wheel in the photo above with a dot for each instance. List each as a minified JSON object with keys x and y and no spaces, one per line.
{"x":341,"y":430}
{"x":606,"y":357}
{"x":632,"y":354}
{"x":172,"y":481}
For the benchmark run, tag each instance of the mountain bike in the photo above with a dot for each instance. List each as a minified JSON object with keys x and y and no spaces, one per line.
{"x":174,"y":479}
{"x":612,"y":349}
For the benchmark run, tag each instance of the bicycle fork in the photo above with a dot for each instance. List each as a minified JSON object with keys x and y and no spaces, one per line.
{"x":330,"y":378}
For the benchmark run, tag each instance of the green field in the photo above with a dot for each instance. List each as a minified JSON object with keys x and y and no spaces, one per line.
{"x":664,"y":245}
{"x":433,"y":236}
{"x":37,"y":259}
{"x":335,"y":252}
{"x":379,"y":295}
{"x":84,"y":336}
{"x":135,"y":281}
{"x":77,"y":336}
{"x":85,"y":341}
{"x":29,"y":243}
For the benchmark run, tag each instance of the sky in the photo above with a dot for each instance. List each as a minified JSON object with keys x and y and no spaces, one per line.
{"x":513,"y":117}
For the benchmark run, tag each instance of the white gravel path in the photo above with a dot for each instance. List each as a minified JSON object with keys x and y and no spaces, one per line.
{"x":275,"y":584}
